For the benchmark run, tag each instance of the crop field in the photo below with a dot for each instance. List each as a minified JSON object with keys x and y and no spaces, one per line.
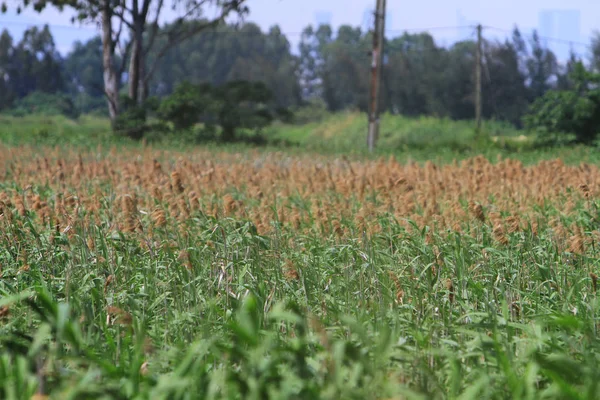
{"x":156,"y":274}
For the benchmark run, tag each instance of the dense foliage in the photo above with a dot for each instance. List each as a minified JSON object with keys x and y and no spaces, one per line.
{"x":231,"y":106}
{"x":331,"y":68}
{"x":43,"y":103}
{"x":574,"y":111}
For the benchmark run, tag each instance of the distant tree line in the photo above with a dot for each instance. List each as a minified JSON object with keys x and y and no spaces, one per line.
{"x":330,"y":70}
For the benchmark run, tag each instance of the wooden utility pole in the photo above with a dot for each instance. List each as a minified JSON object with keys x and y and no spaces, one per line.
{"x":478,"y":80}
{"x":377,"y":54}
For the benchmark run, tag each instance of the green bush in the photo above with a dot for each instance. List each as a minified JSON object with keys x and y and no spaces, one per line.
{"x":312,"y":111}
{"x":87,"y":104}
{"x":569,"y":112}
{"x":184,"y":108}
{"x":243,"y":104}
{"x":46,"y":104}
{"x":234,"y":106}
{"x":132,"y":121}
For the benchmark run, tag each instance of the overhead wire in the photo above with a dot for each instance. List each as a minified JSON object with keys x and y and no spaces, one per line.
{"x":91,"y":27}
{"x":547,"y":38}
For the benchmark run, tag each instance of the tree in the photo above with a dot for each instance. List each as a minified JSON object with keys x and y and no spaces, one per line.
{"x":242,"y":104}
{"x":187,"y":105}
{"x":520,"y":47}
{"x":505,"y":93}
{"x":33,"y":64}
{"x":310,"y":63}
{"x":83,"y":66}
{"x":595,"y":52}
{"x":42,"y":61}
{"x":542,"y":67}
{"x":346,"y":70}
{"x":83,"y":72}
{"x":140,"y":18}
{"x":266,"y":58}
{"x":7,"y":70}
{"x":564,"y":79}
{"x":234,"y":105}
{"x":137,"y":17}
{"x":575,"y":111}
{"x":458,"y":83}
{"x":231,"y":53}
{"x":411,"y":77}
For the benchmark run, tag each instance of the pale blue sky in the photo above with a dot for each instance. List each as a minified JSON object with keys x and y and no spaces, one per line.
{"x":294,"y":15}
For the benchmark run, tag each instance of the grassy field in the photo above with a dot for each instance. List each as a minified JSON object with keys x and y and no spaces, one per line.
{"x":139,"y":272}
{"x":343,"y":134}
{"x":346,"y":132}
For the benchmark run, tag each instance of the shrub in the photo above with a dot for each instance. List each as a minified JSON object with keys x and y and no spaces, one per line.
{"x":46,"y":104}
{"x":184,"y":108}
{"x":87,"y":104}
{"x":311,"y":111}
{"x":131,"y":122}
{"x":243,"y":104}
{"x":563,"y":112}
{"x":233,"y":106}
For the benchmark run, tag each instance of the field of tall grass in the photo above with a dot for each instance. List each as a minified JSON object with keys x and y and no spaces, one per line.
{"x":146,"y":273}
{"x":342,"y":134}
{"x":346,"y":132}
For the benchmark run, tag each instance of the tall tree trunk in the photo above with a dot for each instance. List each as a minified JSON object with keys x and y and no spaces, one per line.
{"x":111,"y":84}
{"x":136,"y":62}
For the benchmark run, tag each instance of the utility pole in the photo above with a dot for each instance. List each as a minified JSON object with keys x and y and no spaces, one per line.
{"x":478,"y":80}
{"x":377,"y":54}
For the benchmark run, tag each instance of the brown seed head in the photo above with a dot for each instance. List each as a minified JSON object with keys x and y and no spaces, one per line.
{"x":500,"y":234}
{"x":290,"y":272}
{"x":296,"y":220}
{"x":144,"y":368}
{"x":156,"y":168}
{"x":229,"y":204}
{"x":108,"y":281}
{"x":176,"y":182}
{"x":576,"y":244}
{"x":476,"y":210}
{"x":184,"y":258}
{"x":398,"y":286}
{"x":159,"y":217}
{"x":513,"y":224}
{"x":20,"y":206}
{"x":585,"y":190}
{"x":337,"y":227}
{"x":128,"y":204}
{"x":594,"y":278}
{"x":450,"y":288}
{"x":157,"y":193}
{"x":116,"y":315}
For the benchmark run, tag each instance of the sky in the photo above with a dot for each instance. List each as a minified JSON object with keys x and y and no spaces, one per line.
{"x":439,"y":17}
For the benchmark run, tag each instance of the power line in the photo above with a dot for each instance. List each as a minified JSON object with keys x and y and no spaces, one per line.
{"x":58,"y":26}
{"x":550,"y":39}
{"x":433,"y":28}
{"x":291,"y":34}
{"x":296,"y":34}
{"x":63,"y":26}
